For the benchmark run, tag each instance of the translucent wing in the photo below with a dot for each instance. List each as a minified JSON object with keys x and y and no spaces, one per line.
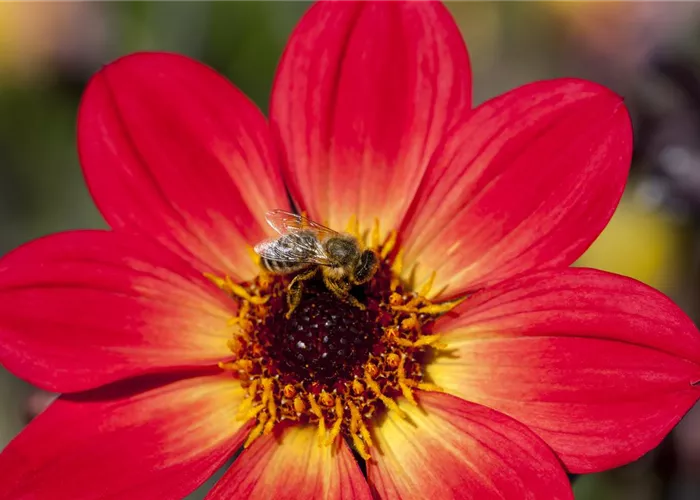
{"x":288,"y":223}
{"x":295,"y":248}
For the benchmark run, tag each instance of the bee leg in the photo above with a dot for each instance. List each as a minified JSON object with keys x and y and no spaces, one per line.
{"x":341,"y":290}
{"x":296,"y":288}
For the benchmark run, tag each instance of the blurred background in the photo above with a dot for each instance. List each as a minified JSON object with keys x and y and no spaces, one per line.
{"x":648,"y":52}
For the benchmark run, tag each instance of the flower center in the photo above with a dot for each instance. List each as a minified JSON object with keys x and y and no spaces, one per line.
{"x":330,"y":363}
{"x":324,"y":341}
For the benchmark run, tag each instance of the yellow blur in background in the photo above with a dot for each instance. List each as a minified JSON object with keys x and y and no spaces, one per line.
{"x":640,"y":243}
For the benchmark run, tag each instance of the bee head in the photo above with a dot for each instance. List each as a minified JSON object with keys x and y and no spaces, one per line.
{"x":344,"y":251}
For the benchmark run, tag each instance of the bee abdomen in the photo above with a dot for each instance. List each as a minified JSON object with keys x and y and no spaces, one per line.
{"x":281,"y":267}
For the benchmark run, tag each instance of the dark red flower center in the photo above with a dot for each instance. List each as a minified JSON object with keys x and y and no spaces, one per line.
{"x":324,"y":342}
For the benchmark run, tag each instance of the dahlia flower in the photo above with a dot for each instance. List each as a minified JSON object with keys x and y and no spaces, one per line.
{"x":477,"y":364}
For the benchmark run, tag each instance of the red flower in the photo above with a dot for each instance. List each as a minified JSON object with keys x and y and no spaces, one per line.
{"x":165,"y":375}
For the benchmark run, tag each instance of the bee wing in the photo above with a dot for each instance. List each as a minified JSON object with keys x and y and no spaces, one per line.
{"x":293,"y":251}
{"x":288,"y":223}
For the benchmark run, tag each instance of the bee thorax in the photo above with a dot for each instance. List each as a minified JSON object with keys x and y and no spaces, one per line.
{"x":335,"y":273}
{"x":343,"y":250}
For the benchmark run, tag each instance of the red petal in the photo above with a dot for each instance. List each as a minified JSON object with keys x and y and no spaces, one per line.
{"x":292,"y":465}
{"x":364,"y":93}
{"x":449,"y":448}
{"x":173,"y":150}
{"x":598,"y":365}
{"x":82,"y":309}
{"x":528,"y":181}
{"x":110,"y":443}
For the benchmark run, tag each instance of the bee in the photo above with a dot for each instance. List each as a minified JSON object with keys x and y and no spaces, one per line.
{"x":308,"y":248}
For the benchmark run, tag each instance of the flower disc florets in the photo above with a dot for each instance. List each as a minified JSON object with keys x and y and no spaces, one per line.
{"x":330,"y":363}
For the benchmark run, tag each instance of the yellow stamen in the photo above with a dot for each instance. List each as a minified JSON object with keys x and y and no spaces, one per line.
{"x":354,"y":417}
{"x":236,"y":320}
{"x":299,"y":405}
{"x":316,"y":410}
{"x":375,"y":234}
{"x":442,"y":307}
{"x":388,"y":402}
{"x":427,"y":286}
{"x":244,"y":328}
{"x":392,"y":333}
{"x":219,"y":282}
{"x":360,"y":447}
{"x":241,"y":292}
{"x":431,"y":340}
{"x":401,"y":371}
{"x":267,"y":394}
{"x":265,"y":279}
{"x":353,"y":227}
{"x":241,"y":366}
{"x":393,"y":360}
{"x":389,"y":245}
{"x":405,"y":389}
{"x":410,"y":323}
{"x":257,"y":431}
{"x":253,"y":388}
{"x":408,"y":394}
{"x":425,"y":386}
{"x":326,"y":399}
{"x":355,"y":424}
{"x":227,"y":285}
{"x":244,"y":408}
{"x":272,"y":411}
{"x":252,"y":413}
{"x":244,"y":310}
{"x":357,"y":429}
{"x":253,"y":255}
{"x":357,"y":387}
{"x":365,"y":434}
{"x":335,"y":430}
{"x":289,"y":391}
{"x":429,"y":309}
{"x":409,"y":306}
{"x":235,"y":346}
{"x":396,"y":269}
{"x":403,"y":342}
{"x":395,"y":299}
{"x":425,"y":340}
{"x":257,"y":350}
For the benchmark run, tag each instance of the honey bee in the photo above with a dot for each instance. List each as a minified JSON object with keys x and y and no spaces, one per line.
{"x":307,"y":247}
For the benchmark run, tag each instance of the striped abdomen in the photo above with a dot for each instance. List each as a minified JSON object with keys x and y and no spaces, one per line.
{"x":282,"y":267}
